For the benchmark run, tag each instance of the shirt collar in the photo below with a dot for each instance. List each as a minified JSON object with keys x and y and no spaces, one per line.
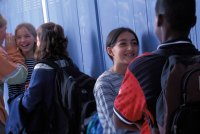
{"x":174,"y":42}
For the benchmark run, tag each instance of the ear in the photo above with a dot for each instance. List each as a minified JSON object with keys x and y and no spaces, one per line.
{"x":109,"y":51}
{"x":194,"y":20}
{"x":160,"y":20}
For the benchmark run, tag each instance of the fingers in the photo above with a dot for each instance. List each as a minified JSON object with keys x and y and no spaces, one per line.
{"x":10,"y":39}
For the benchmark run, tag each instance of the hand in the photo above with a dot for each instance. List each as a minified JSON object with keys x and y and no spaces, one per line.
{"x":10,"y":41}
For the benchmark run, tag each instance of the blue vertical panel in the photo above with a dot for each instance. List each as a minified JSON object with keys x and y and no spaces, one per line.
{"x":197,"y":33}
{"x":24,"y":11}
{"x":79,"y":18}
{"x":55,"y":11}
{"x":108,"y":20}
{"x":15,"y":10}
{"x":3,"y":7}
{"x":150,"y":40}
{"x":91,"y":53}
{"x":32,"y":12}
{"x":141,"y":23}
{"x":193,"y":35}
{"x":64,"y":12}
{"x":126,"y":13}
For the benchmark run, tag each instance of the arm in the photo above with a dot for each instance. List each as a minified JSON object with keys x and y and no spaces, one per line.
{"x":130,"y":104}
{"x":104,"y":98}
{"x":119,"y":124}
{"x":13,"y":71}
{"x":41,"y":87}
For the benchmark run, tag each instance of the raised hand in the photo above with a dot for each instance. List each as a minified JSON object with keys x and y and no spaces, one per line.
{"x":10,"y":41}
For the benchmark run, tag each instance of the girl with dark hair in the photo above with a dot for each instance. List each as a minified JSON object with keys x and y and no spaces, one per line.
{"x":122,"y":46}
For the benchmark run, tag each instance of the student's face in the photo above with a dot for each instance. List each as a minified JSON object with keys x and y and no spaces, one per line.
{"x":125,"y":49}
{"x":2,"y":34}
{"x":25,"y":41}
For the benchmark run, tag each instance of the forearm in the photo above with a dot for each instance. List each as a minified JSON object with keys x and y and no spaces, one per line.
{"x":13,"y":74}
{"x":121,"y":125}
{"x":15,"y":56}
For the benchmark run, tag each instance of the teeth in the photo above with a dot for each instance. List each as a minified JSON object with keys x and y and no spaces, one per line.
{"x":130,"y":54}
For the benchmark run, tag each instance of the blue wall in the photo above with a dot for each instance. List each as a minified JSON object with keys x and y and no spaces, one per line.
{"x":88,"y":22}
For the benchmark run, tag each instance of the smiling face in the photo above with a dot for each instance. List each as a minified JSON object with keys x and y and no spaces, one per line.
{"x":25,"y":41}
{"x":124,"y":50}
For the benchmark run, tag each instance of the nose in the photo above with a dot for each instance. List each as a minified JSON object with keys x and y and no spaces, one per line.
{"x":130,"y":46}
{"x":22,"y":39}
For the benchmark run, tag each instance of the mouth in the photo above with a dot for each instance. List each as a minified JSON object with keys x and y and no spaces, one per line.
{"x":131,"y":55}
{"x":24,"y":45}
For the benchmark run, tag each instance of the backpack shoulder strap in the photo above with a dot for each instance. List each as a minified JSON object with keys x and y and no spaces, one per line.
{"x":49,"y":63}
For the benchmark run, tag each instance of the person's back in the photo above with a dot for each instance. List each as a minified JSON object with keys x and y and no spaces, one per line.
{"x":174,"y":19}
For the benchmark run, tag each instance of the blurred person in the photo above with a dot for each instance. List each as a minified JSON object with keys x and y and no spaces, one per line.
{"x":13,"y":70}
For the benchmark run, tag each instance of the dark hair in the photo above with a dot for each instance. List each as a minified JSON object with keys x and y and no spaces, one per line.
{"x":30,"y":28}
{"x":115,"y":33}
{"x":53,"y":43}
{"x":180,"y":14}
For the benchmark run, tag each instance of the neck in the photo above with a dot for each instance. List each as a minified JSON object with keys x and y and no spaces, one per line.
{"x":171,"y":35}
{"x":120,"y":69}
{"x":28,"y":55}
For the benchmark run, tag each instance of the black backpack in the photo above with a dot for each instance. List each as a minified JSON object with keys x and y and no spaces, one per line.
{"x":74,"y":101}
{"x":178,"y":106}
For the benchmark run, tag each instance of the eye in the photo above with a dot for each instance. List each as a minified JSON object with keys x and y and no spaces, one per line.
{"x":18,"y":37}
{"x":123,"y":43}
{"x":134,"y":43}
{"x":27,"y":36}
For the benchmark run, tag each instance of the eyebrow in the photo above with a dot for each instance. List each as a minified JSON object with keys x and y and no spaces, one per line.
{"x":126,"y":40}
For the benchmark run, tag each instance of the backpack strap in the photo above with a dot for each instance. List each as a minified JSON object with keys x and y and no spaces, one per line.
{"x":49,"y":63}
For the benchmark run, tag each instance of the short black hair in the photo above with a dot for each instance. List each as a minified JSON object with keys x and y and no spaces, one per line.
{"x":180,"y":14}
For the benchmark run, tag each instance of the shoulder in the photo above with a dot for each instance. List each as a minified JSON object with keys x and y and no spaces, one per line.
{"x":42,"y":66}
{"x":108,"y":80}
{"x":146,"y":61}
{"x":108,"y":77}
{"x":43,"y":71}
